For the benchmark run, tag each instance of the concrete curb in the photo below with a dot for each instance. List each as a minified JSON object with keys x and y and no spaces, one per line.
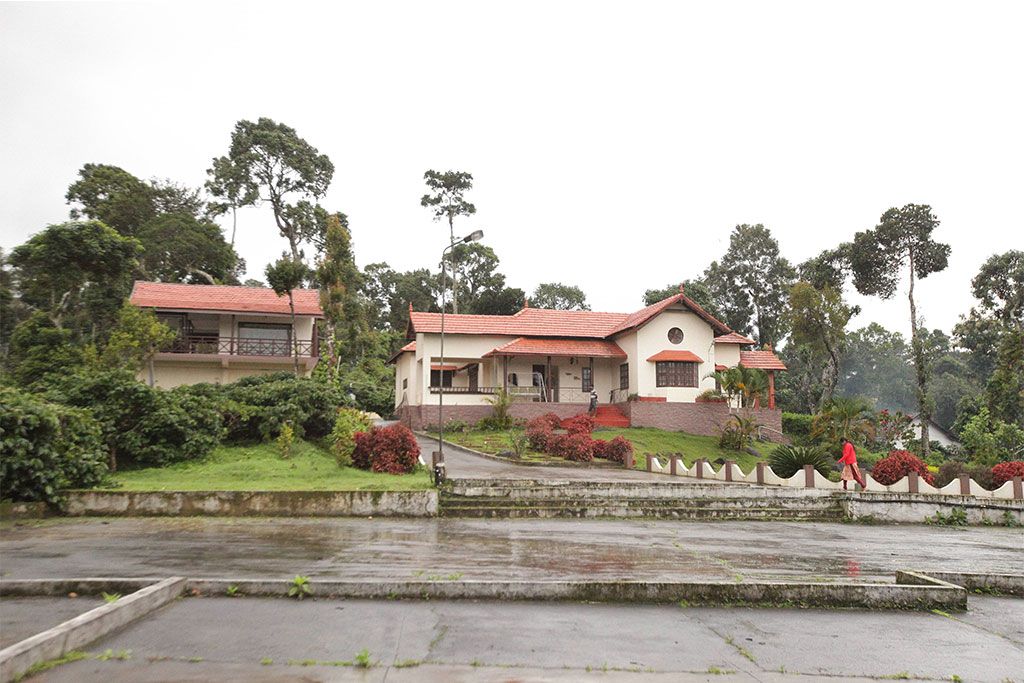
{"x":594,"y":465}
{"x":11,"y":588}
{"x":85,"y":628}
{"x":925,"y":596}
{"x":1007,"y":584}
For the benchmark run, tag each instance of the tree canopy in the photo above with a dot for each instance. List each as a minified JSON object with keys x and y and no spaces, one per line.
{"x":559,"y":297}
{"x":447,"y":201}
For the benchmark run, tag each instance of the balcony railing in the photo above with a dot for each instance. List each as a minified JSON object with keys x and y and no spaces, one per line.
{"x":240,"y":346}
{"x":463,"y":390}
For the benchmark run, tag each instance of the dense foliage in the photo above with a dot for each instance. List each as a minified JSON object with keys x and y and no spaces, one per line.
{"x":1005,"y":471}
{"x":786,"y":461}
{"x":348,"y":422}
{"x":266,"y":402}
{"x":46,"y":448}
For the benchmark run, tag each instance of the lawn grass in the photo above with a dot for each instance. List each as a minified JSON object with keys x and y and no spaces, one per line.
{"x":645,"y":440}
{"x":260,"y":467}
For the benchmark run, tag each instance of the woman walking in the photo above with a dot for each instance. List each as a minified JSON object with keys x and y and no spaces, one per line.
{"x":849,"y":460}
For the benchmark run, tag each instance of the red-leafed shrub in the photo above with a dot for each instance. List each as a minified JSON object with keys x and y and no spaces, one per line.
{"x":575,"y":447}
{"x":1005,"y":471}
{"x":553,"y":420}
{"x":599,"y":448}
{"x":581,"y":424}
{"x":538,"y":432}
{"x":362,"y":451}
{"x":392,"y":449}
{"x":617,"y":449}
{"x":897,"y":465}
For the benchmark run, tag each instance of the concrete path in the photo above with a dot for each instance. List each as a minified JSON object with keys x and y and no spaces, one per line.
{"x":227,"y":639}
{"x":529,"y":549}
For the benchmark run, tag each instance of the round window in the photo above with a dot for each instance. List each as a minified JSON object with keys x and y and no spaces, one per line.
{"x":675,"y":335}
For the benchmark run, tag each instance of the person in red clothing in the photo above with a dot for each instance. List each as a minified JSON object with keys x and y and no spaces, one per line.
{"x":849,"y":460}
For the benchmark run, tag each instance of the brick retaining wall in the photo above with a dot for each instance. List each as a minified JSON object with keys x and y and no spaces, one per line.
{"x":698,"y":418}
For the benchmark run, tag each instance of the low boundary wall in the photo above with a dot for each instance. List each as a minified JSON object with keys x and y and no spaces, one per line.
{"x":254,"y":503}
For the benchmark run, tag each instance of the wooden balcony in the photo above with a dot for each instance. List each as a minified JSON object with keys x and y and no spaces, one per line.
{"x":212,"y":344}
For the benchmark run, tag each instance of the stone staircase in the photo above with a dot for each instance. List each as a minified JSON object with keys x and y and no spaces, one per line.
{"x":499,"y":498}
{"x":607,"y":416}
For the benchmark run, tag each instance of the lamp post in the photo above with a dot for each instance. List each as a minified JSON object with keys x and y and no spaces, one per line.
{"x":472,"y":237}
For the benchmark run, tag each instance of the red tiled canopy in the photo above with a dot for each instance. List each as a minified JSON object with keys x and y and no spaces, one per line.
{"x":437,"y":366}
{"x":763,"y":360}
{"x":173,"y":296}
{"x":683,"y":356}
{"x":588,"y":348}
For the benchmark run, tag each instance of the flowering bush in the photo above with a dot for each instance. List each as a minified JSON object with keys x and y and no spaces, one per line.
{"x":392,"y":449}
{"x":1005,"y":471}
{"x":894,"y":427}
{"x":581,"y":424}
{"x":575,"y":447}
{"x":617,"y":449}
{"x":897,"y":465}
{"x":538,"y":432}
{"x":599,"y":448}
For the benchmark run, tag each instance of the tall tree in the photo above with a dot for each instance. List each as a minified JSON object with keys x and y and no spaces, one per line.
{"x":751,"y":284}
{"x":448,"y":201}
{"x":877,"y":364}
{"x":999,"y":285}
{"x":269,"y":162}
{"x":113,"y":196}
{"x":284,"y":277}
{"x":818,"y":319}
{"x":180,"y":248}
{"x":559,"y":297}
{"x":902,"y":239}
{"x":339,"y":281}
{"x":79,"y":270}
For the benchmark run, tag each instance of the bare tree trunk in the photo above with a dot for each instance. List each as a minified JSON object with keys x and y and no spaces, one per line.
{"x":920,"y":367}
{"x":295,"y":339}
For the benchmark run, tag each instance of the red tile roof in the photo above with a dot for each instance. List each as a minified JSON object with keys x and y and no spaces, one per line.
{"x":685,"y":356}
{"x":721,"y":367}
{"x":539,"y":322}
{"x":733,"y":338}
{"x":764,"y":360}
{"x":591,"y":348}
{"x":411,"y":346}
{"x":166,"y":295}
{"x":437,"y":366}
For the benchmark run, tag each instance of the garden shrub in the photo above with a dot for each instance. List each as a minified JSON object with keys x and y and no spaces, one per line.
{"x":950,"y":471}
{"x":580,"y":424}
{"x":736,"y":433}
{"x":46,"y":448}
{"x":797,"y":424}
{"x":553,"y":420}
{"x":897,"y":465}
{"x":538,"y":431}
{"x":574,"y":447}
{"x":346,"y":424}
{"x":272,"y":400}
{"x":391,"y":449}
{"x":599,"y":449}
{"x":1005,"y":471}
{"x":786,"y":461}
{"x":143,"y":426}
{"x":617,"y":449}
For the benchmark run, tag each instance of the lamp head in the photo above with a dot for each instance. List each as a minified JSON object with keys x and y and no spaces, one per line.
{"x":473,"y":236}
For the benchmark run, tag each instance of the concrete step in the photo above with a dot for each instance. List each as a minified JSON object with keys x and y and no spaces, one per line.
{"x":454,"y":502}
{"x":652,"y":512}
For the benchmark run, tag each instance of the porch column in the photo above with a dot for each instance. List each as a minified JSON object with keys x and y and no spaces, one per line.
{"x":547,"y":382}
{"x":504,"y":372}
{"x":771,"y":389}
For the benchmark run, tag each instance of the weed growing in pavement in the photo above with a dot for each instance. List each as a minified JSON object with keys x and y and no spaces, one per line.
{"x":716,"y":670}
{"x":901,"y":676}
{"x":266,"y":661}
{"x":110,"y":654}
{"x":956,"y":517}
{"x":233,"y":591}
{"x":407,"y":663}
{"x":300,"y":587}
{"x":195,"y":660}
{"x":363,"y":659}
{"x":111,"y":598}
{"x":39,"y":667}
{"x":1009,"y":520}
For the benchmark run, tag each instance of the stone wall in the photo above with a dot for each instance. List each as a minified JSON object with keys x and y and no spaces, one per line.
{"x":698,"y":418}
{"x":418,"y":417}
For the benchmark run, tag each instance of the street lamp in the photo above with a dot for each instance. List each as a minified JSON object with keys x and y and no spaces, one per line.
{"x":472,"y":237}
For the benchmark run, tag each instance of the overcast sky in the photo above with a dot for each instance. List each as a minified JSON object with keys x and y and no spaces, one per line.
{"x":614,"y":146}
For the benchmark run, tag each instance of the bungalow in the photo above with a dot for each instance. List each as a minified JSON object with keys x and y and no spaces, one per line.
{"x":648,"y":367}
{"x":226,"y":333}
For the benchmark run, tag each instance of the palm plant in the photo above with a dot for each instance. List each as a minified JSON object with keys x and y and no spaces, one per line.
{"x":501,"y":402}
{"x":786,"y":461}
{"x":852,"y":418}
{"x":746,"y":384}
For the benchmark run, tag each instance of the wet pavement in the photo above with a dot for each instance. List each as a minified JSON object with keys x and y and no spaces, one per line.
{"x":201,"y":638}
{"x":24,"y":617}
{"x":529,"y":549}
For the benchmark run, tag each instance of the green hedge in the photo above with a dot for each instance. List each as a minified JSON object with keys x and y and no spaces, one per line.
{"x":797,"y":424}
{"x":46,"y":448}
